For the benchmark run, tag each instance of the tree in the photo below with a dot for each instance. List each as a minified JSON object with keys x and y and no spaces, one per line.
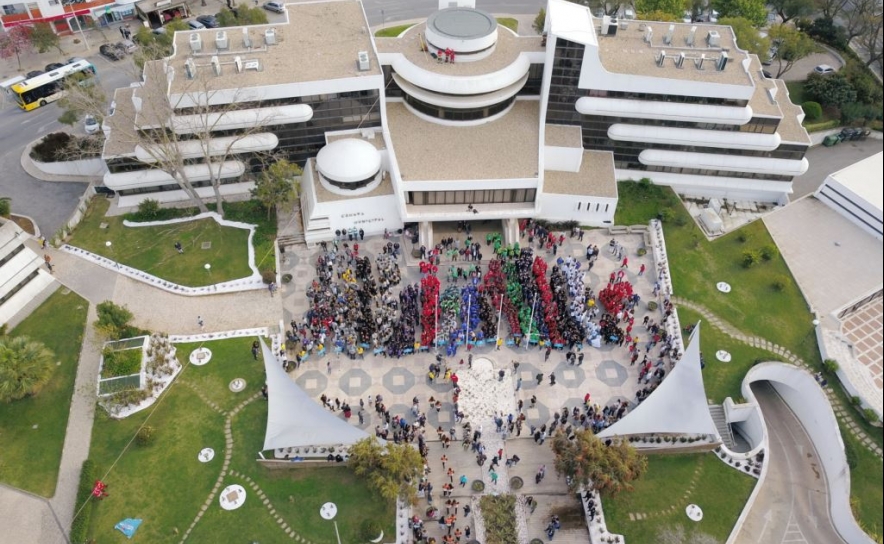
{"x":825,"y":30}
{"x":113,"y":320}
{"x":15,"y":42}
{"x":790,"y":9}
{"x":754,"y":11}
{"x":25,"y":367}
{"x":591,"y":463}
{"x":858,"y":17}
{"x":673,"y":8}
{"x":747,"y":36}
{"x":392,"y":470}
{"x":43,"y":38}
{"x":242,"y":16}
{"x":829,"y":90}
{"x":873,"y":40}
{"x":277,"y":185}
{"x":156,"y":46}
{"x":831,"y":9}
{"x":539,"y":21}
{"x":792,"y":46}
{"x":659,"y":16}
{"x":607,"y":6}
{"x":82,"y":97}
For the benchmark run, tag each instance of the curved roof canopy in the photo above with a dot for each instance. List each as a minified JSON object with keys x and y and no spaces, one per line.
{"x":348,"y":160}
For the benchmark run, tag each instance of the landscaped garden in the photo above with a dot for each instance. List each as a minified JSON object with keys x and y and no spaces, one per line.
{"x":32,"y":429}
{"x":204,"y":241}
{"x":162,"y":481}
{"x":659,"y":496}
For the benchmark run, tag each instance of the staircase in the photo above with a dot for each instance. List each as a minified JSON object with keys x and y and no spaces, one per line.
{"x":291,"y":240}
{"x":724,"y":428}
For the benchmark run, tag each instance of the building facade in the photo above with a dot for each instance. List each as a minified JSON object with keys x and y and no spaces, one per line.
{"x":67,"y":16}
{"x":457,"y":118}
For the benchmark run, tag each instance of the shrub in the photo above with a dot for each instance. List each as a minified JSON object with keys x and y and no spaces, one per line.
{"x":827,"y":31}
{"x":370,"y":529}
{"x":652,"y":305}
{"x":830,"y":366}
{"x":812,"y":110}
{"x":113,"y":320}
{"x":80,"y":524}
{"x":666,"y":215}
{"x":5,"y":206}
{"x":148,"y":210}
{"x":850,"y":454}
{"x":268,"y":276}
{"x":743,"y":236}
{"x":499,"y":514}
{"x":829,"y":90}
{"x":52,"y":148}
{"x":120,"y":363}
{"x":856,"y":113}
{"x":779,"y":283}
{"x":750,"y":258}
{"x":769,"y":252}
{"x":147,"y":435}
{"x":642,"y":251}
{"x":854,"y":400}
{"x":870,"y":415}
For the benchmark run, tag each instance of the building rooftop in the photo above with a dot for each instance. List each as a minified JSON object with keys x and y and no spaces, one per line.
{"x":505,"y":53}
{"x":123,"y":136}
{"x":627,"y":52}
{"x":761,"y":101}
{"x":866,"y":179}
{"x":790,"y":128}
{"x":595,"y":177}
{"x":319,"y":41}
{"x":502,"y":149}
{"x":563,"y":136}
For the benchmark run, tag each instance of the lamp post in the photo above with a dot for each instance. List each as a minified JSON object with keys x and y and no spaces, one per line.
{"x":110,"y":247}
{"x":208,"y":268}
{"x":328,"y":511}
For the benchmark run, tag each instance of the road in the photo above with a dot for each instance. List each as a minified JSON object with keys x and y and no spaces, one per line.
{"x":793,"y":504}
{"x":50,"y":204}
{"x":389,"y":11}
{"x":826,"y":160}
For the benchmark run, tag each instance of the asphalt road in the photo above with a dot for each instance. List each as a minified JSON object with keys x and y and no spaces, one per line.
{"x":404,"y":10}
{"x":793,"y":504}
{"x":826,"y":160}
{"x":49,"y":204}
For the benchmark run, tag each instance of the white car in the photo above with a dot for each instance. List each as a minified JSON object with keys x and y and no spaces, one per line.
{"x":90,"y":124}
{"x":824,"y":69}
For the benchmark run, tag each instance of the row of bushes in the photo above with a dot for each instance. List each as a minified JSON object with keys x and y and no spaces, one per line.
{"x":61,"y":146}
{"x":84,"y":505}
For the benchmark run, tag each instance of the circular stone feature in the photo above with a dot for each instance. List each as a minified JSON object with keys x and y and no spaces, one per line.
{"x":237,"y":385}
{"x":694,"y":512}
{"x":723,"y":286}
{"x":328,"y":510}
{"x":462,"y":23}
{"x":206,"y":455}
{"x":348,"y":161}
{"x":200,"y":356}
{"x":232,"y":497}
{"x":723,"y":356}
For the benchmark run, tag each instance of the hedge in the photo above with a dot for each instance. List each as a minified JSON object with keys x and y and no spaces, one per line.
{"x":825,"y":125}
{"x":80,"y":524}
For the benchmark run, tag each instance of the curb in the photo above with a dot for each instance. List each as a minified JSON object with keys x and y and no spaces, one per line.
{"x":27,"y":164}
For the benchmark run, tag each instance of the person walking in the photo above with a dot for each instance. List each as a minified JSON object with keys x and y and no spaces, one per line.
{"x":539,"y":378}
{"x":200,"y":322}
{"x":48,"y":261}
{"x":493,"y":475}
{"x":463,"y":480}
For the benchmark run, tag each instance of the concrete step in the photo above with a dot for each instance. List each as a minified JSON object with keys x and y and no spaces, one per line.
{"x":721,"y":423}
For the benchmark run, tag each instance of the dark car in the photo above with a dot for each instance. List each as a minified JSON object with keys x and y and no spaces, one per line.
{"x":111,"y":52}
{"x":766,"y":74}
{"x":102,"y":190}
{"x":33,"y":73}
{"x":209,"y":21}
{"x":53,"y":66}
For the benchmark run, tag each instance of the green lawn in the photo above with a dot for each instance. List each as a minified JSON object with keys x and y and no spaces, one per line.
{"x":509,"y":22}
{"x":29,"y":457}
{"x":866,"y":493}
{"x":720,"y":491}
{"x":165,"y":484}
{"x":392,"y":31}
{"x":152,"y":250}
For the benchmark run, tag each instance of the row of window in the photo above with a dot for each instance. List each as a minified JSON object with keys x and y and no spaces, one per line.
{"x":488,"y":196}
{"x":18,"y":287}
{"x":174,"y":187}
{"x":458,"y":114}
{"x":700,"y":171}
{"x":8,"y":257}
{"x":588,"y":207}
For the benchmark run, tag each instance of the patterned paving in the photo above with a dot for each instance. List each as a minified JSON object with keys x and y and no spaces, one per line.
{"x":863,"y":328}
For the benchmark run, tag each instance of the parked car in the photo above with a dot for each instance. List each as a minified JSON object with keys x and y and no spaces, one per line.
{"x":128,"y":46}
{"x":53,"y":66}
{"x":90,"y":124}
{"x":110,"y":52}
{"x":195,"y":25}
{"x":33,"y":73}
{"x":208,"y":21}
{"x":824,"y":69}
{"x":275,"y":7}
{"x":102,"y":190}
{"x":766,"y":74}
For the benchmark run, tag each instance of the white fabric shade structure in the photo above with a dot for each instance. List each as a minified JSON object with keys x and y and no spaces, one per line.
{"x":294,"y":419}
{"x":677,"y":406}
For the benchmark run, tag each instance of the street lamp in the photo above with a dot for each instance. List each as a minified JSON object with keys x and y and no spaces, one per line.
{"x":328,"y":511}
{"x":110,"y":248}
{"x":208,"y":268}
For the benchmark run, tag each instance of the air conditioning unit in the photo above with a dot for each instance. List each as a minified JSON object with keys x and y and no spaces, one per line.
{"x":189,"y":69}
{"x":661,"y":58}
{"x":221,"y":41}
{"x":270,"y":36}
{"x":237,"y":61}
{"x":363,"y":62}
{"x":713,"y":38}
{"x":722,"y":62}
{"x":667,"y":39}
{"x":246,"y":40}
{"x":690,"y":38}
{"x":216,"y":65}
{"x":253,"y":65}
{"x":196,"y":43}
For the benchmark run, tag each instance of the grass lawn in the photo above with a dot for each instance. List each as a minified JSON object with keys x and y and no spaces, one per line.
{"x":509,"y":22}
{"x":392,"y":31}
{"x":866,"y":494}
{"x":29,"y":458}
{"x":796,"y":91}
{"x":152,"y":250}
{"x":165,"y":484}
{"x":719,"y":490}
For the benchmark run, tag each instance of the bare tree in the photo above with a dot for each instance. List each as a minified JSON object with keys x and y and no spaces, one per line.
{"x":872,"y":41}
{"x":859,"y":16}
{"x":831,"y":8}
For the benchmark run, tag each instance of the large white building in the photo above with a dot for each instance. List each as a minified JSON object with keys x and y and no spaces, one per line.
{"x":458,"y":118}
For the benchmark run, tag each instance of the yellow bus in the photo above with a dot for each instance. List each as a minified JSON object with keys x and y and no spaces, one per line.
{"x":45,"y":88}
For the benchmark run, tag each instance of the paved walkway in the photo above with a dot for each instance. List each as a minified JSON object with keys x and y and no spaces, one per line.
{"x":846,"y":415}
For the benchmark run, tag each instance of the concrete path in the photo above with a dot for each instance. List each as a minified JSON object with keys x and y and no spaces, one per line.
{"x":28,"y":518}
{"x":793,"y":504}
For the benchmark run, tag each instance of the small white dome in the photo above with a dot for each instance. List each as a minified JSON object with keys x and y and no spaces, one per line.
{"x":348,"y":160}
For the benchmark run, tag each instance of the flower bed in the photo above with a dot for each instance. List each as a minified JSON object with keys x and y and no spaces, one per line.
{"x":499,"y":516}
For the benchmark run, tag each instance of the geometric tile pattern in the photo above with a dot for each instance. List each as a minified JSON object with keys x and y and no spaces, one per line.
{"x":612,"y":373}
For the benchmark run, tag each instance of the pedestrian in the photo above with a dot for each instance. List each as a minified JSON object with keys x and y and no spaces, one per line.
{"x":328,"y":367}
{"x":255,"y":349}
{"x":42,"y":242}
{"x":463,"y":480}
{"x":625,"y":263}
{"x":500,"y":375}
{"x":48,"y":260}
{"x":272,"y":288}
{"x":200,"y":322}
{"x":519,"y":384}
{"x":179,"y":248}
{"x":361,"y":417}
{"x":552,"y":378}
{"x":493,"y":477}
{"x":444,"y":460}
{"x":641,"y":270}
{"x":580,"y":359}
{"x":548,"y":352}
{"x":361,"y":234}
{"x":539,"y":378}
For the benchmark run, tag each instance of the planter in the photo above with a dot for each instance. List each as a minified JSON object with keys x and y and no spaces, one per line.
{"x":516,"y":483}
{"x":641,"y":252}
{"x":478,"y":485}
{"x":378,"y":539}
{"x":287,"y":278}
{"x":536,"y":541}
{"x":652,"y":305}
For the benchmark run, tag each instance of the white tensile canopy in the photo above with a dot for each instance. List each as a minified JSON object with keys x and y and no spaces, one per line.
{"x":296,"y":420}
{"x":677,"y":406}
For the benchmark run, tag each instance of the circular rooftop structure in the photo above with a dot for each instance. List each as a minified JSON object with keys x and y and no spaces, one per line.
{"x":465,"y":31}
{"x":348,"y":161}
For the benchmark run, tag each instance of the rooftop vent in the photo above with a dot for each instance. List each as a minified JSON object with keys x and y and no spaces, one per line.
{"x":189,"y":69}
{"x":253,"y":65}
{"x":609,"y":26}
{"x":722,"y":62}
{"x":363,"y":62}
{"x":270,"y":36}
{"x":216,"y":65}
{"x":196,"y":43}
{"x":649,"y":34}
{"x":699,"y":62}
{"x":679,"y":60}
{"x":661,"y":58}
{"x":221,"y":41}
{"x":246,"y":40}
{"x":690,"y":37}
{"x":237,"y":61}
{"x":713,"y":38}
{"x":667,"y":39}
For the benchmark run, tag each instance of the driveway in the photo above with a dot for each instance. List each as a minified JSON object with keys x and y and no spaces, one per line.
{"x":793,"y":503}
{"x":827,"y":160}
{"x":799,"y":71}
